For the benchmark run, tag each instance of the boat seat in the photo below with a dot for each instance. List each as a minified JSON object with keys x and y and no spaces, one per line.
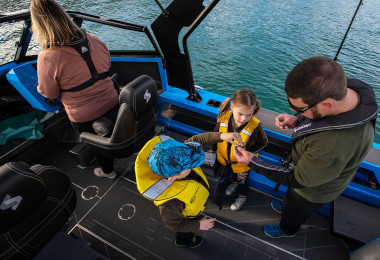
{"x":36,"y":203}
{"x":135,"y":123}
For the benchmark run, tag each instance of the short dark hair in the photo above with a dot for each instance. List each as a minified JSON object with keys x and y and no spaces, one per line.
{"x":316,"y":79}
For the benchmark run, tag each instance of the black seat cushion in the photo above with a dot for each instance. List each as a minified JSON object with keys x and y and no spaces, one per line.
{"x":45,"y":201}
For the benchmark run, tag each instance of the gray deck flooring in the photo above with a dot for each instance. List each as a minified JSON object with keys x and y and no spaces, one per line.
{"x":121,"y":224}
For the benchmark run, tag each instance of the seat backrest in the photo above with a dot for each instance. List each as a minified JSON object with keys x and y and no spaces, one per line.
{"x":21,"y":192}
{"x":135,"y":122}
{"x":36,"y":203}
{"x":137,"y":116}
{"x":141,"y":95}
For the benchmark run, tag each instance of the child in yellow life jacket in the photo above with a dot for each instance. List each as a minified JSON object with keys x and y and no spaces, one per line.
{"x":238,"y":115}
{"x":168,"y":173}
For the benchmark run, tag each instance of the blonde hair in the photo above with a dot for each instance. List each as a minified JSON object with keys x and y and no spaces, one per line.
{"x":52,"y":24}
{"x":241,"y":97}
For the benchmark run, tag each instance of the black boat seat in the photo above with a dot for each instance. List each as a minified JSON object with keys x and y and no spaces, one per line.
{"x":36,"y":203}
{"x":135,"y":123}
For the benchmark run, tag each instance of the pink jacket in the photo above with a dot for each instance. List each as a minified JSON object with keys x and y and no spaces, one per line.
{"x":63,"y":68}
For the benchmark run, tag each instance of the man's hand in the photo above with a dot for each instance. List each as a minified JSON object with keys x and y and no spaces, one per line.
{"x":286,"y":122}
{"x":233,"y":137}
{"x":206,"y":223}
{"x":242,"y":155}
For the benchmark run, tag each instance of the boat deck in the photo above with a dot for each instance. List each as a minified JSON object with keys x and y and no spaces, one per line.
{"x":121,"y":224}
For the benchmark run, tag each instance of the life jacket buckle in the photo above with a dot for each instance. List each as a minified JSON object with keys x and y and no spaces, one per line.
{"x":230,"y":162}
{"x":96,"y":77}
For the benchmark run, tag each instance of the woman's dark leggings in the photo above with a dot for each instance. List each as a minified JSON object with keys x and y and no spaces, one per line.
{"x":106,"y":163}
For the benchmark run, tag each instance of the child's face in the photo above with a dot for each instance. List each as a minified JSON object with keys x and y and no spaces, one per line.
{"x":242,"y":113}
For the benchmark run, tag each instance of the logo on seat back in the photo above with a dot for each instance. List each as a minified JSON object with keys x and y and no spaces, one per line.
{"x":10,"y":202}
{"x":147,"y":96}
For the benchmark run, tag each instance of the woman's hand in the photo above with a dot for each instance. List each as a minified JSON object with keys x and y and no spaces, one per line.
{"x":286,"y":122}
{"x":241,"y":155}
{"x":206,"y":223}
{"x":233,"y":138}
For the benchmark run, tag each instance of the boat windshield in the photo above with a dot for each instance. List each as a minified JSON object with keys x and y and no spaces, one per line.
{"x":19,"y":42}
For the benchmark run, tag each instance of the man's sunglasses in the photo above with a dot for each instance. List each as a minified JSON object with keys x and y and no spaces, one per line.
{"x":301,"y":110}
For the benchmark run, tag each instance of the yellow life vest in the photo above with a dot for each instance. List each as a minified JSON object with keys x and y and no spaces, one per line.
{"x":222,"y":146}
{"x":160,"y":190}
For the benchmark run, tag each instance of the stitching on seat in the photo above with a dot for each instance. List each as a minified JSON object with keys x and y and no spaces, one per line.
{"x":134,"y":99}
{"x":153,"y":121}
{"x":42,"y":168}
{"x":25,"y":174}
{"x":14,"y":246}
{"x":61,"y":206}
{"x":117,"y":123}
{"x":53,"y":213}
{"x":64,"y":202}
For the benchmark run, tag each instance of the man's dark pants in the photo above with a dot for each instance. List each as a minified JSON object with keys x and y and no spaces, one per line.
{"x":295,"y":211}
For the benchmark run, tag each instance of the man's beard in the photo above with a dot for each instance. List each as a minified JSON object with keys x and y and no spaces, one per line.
{"x":316,"y":115}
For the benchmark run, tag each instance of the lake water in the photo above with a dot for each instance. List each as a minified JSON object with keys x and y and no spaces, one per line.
{"x":254,"y":44}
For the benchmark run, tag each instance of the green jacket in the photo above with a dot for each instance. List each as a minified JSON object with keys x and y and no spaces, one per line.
{"x":327,"y":152}
{"x":326,"y":162}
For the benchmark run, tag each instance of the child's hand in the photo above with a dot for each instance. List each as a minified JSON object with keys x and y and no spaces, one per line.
{"x":211,"y":151}
{"x":233,"y":138}
{"x":206,"y":223}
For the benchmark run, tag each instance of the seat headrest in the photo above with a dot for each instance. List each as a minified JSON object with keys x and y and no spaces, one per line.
{"x":140,"y":94}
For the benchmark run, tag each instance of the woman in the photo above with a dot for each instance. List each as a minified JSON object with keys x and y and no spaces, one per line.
{"x":73,"y":65}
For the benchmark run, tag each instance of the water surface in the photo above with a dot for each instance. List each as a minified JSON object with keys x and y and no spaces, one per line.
{"x":254,"y":44}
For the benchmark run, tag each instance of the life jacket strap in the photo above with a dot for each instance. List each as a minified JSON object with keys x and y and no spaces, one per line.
{"x":81,"y":46}
{"x":89,"y":82}
{"x":230,"y":162}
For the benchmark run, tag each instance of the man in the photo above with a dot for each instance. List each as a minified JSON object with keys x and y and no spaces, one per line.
{"x":333,"y":132}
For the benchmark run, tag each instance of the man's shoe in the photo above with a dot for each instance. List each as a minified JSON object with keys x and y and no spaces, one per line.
{"x":231,"y":188}
{"x":275,"y":231}
{"x":276,"y":205}
{"x":197,"y":241}
{"x":239,"y":202}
